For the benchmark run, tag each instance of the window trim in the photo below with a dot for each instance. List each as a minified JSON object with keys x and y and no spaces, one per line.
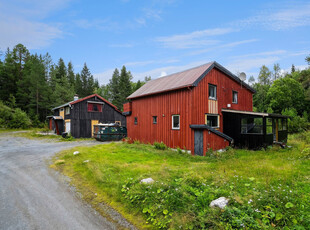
{"x":176,"y":128}
{"x":261,"y":126}
{"x":154,"y":119}
{"x":67,"y":110}
{"x":269,"y":125}
{"x":234,"y":92}
{"x":96,"y":104}
{"x":213,"y":115}
{"x":215,"y":87}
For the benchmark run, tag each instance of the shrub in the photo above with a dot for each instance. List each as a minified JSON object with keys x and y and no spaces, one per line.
{"x":13,"y":118}
{"x":160,"y":145}
{"x":295,"y":122}
{"x":19,"y":120}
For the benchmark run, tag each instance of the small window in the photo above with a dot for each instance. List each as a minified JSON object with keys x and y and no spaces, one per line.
{"x":67,"y":111}
{"x":280,"y":125}
{"x":136,"y":120}
{"x":269,"y":126}
{"x":154,"y":119}
{"x":235,"y":97}
{"x":212,"y":120}
{"x":93,"y":107}
{"x":212,"y":92}
{"x":175,"y":121}
{"x":284,"y":124}
{"x":252,"y":125}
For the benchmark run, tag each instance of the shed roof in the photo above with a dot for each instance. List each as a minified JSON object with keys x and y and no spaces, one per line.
{"x":85,"y":98}
{"x":186,"y":78}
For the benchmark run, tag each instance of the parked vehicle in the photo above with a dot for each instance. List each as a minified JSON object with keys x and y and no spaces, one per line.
{"x":109,"y":132}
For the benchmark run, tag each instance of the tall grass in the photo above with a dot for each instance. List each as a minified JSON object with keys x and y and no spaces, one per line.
{"x":267,"y":188}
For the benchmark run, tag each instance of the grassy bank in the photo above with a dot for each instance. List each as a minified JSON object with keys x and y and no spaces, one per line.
{"x":267,"y":189}
{"x":45,"y":135}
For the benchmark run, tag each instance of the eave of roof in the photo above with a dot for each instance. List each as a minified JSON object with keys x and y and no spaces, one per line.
{"x":184,"y":79}
{"x":254,"y":113}
{"x":204,"y":126}
{"x":64,"y":105}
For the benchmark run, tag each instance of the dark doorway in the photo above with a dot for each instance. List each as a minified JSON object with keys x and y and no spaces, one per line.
{"x":198,"y":142}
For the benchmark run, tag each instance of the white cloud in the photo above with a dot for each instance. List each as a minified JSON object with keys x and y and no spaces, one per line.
{"x":227,"y":45}
{"x":104,"y":77}
{"x":267,"y":53}
{"x":194,"y":39}
{"x":248,"y":64}
{"x":21,"y":22}
{"x":158,"y":72}
{"x":284,"y":18}
{"x":124,"y":45}
{"x":98,"y":24}
{"x":139,"y":63}
{"x":33,"y":35}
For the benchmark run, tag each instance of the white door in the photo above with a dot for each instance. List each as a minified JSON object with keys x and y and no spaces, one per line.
{"x":68,"y":127}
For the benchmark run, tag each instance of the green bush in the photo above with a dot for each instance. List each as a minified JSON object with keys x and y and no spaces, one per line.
{"x":160,"y":145}
{"x":296,"y":123}
{"x":13,"y":118}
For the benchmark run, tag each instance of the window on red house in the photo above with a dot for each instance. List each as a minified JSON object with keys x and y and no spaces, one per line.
{"x":92,"y":107}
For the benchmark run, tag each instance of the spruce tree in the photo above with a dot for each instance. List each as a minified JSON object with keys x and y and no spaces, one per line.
{"x":71,"y":75}
{"x":124,"y":86}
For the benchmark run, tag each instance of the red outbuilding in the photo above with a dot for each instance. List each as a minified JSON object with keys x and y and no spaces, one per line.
{"x":184,"y":110}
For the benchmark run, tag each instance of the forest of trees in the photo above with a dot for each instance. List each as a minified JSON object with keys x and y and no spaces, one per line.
{"x":284,"y":93}
{"x":34,"y":84}
{"x":31,"y":85}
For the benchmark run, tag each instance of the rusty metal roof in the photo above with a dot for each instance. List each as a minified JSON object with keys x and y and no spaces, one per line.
{"x":187,"y":78}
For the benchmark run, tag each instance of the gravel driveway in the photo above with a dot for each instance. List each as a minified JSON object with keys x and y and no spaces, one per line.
{"x":32,"y":196}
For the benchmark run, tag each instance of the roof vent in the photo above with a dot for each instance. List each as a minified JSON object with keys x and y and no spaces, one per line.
{"x":76,"y":97}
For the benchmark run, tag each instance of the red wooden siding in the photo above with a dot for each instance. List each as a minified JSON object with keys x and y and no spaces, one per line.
{"x":192,"y":105}
{"x":90,"y":107}
{"x":225,"y":86}
{"x":127,"y":107}
{"x":210,"y":141}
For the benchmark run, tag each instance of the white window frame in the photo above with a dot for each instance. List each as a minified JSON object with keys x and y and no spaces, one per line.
{"x":154,"y":119}
{"x":173,"y":116}
{"x":67,"y":110}
{"x":213,"y":115}
{"x":215,"y":91}
{"x":233,"y":93}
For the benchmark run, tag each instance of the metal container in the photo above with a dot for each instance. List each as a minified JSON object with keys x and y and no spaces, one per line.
{"x":109,"y":132}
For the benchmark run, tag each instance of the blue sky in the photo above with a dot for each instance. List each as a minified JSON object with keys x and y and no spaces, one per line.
{"x":158,"y":37}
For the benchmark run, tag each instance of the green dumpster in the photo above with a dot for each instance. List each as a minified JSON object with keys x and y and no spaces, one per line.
{"x":109,"y":132}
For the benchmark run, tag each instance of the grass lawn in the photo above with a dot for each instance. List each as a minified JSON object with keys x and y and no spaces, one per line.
{"x":267,"y":189}
{"x":37,"y":133}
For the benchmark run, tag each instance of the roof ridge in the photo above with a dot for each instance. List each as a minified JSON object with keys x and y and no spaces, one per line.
{"x":196,"y":67}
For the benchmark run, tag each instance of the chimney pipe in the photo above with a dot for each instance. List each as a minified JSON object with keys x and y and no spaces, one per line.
{"x":76,"y":97}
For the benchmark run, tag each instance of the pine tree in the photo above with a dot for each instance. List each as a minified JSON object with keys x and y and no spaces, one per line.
{"x":20,"y":55}
{"x":293,"y":69}
{"x":8,"y":77}
{"x":78,"y":85}
{"x":71,"y":75}
{"x":124,"y":86}
{"x":114,"y":87}
{"x":33,"y":91}
{"x":61,"y":69}
{"x":87,"y":82}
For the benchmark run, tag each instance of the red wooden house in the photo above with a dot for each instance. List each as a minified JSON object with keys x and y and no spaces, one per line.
{"x":185,"y":109}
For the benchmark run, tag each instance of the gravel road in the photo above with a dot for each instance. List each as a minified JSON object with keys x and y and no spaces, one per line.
{"x":33,"y":196}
